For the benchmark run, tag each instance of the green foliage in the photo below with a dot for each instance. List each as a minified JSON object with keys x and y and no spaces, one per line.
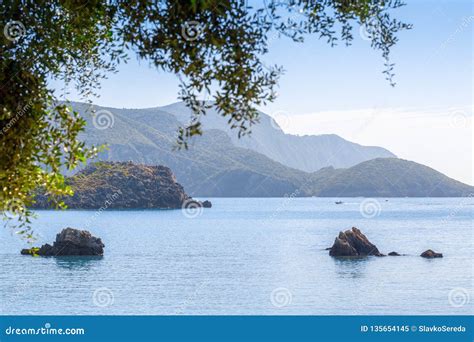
{"x":213,"y":46}
{"x":31,"y":251}
{"x":38,"y":136}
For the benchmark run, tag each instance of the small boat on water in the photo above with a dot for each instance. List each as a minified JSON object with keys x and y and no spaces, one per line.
{"x":338,"y":202}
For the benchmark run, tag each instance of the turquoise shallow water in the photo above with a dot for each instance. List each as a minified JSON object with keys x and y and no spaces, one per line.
{"x":250,"y":256}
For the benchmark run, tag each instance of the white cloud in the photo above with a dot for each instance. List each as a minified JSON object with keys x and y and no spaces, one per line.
{"x":437,"y":137}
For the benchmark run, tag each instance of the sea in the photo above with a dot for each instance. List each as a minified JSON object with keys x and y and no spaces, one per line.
{"x":249,"y":256}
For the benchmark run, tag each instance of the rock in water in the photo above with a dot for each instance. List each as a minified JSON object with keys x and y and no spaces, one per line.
{"x":192,"y":203}
{"x":70,"y":242}
{"x":353,"y":243}
{"x":207,"y":204}
{"x":394,"y":254}
{"x":431,"y":254}
{"x":341,"y":247}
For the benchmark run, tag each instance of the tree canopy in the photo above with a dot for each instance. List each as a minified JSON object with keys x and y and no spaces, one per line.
{"x":213,"y":46}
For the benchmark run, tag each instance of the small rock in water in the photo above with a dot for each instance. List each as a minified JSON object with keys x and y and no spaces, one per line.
{"x":431,"y":254}
{"x":353,"y":243}
{"x":394,"y":254}
{"x":68,"y":243}
{"x":207,"y":204}
{"x":192,"y":203}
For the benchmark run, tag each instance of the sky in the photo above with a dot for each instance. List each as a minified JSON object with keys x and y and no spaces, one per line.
{"x":426,"y":118}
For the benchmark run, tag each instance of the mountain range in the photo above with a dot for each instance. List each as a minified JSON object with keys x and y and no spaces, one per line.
{"x":307,"y":153}
{"x":268,"y":163}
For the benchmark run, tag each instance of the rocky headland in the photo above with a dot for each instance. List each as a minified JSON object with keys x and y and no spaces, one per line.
{"x":123,"y":185}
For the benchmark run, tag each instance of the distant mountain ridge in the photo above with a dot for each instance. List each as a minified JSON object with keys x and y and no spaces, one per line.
{"x":125,"y":185}
{"x":307,"y":153}
{"x":388,"y":177}
{"x":215,"y":167}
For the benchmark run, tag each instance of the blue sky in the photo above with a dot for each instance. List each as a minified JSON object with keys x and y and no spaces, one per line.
{"x":433,"y":69}
{"x":433,"y":66}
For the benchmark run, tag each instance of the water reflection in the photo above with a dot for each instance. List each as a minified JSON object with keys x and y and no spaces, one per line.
{"x":351,"y":267}
{"x":78,"y":262}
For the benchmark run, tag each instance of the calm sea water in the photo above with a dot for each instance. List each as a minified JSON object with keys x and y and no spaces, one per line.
{"x":249,"y":256}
